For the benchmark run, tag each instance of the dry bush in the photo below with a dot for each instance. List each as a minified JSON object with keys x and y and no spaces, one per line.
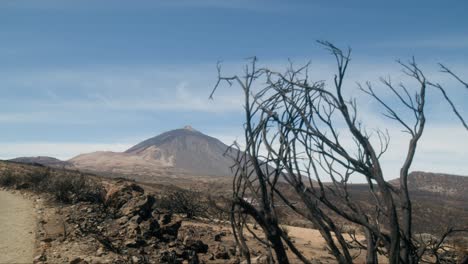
{"x":460,"y":244}
{"x":218,"y":208}
{"x":66,"y":187}
{"x":75,"y":188}
{"x":35,"y":180}
{"x":7,"y":179}
{"x":187,"y":202}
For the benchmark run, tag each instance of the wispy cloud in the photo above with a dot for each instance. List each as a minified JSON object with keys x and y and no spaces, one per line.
{"x":431,"y":42}
{"x":53,"y":117}
{"x":176,"y":88}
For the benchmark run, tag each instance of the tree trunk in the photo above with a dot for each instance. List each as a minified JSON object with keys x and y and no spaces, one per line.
{"x":275,"y":239}
{"x":371,"y":255}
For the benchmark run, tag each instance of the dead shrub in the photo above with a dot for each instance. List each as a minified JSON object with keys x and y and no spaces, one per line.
{"x":218,"y":208}
{"x":187,"y":202}
{"x":35,"y":180}
{"x":65,"y":186}
{"x":75,"y":188}
{"x":7,"y":179}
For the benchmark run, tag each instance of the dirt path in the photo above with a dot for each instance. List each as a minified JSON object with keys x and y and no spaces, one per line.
{"x":17,"y":228}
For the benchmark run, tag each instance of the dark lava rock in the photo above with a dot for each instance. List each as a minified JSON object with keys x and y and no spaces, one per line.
{"x":196,"y":245}
{"x":119,"y":195}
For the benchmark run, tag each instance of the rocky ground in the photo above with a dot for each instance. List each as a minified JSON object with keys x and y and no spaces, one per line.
{"x":128,"y":228}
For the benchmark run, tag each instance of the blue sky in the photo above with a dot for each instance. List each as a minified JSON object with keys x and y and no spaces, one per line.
{"x":80,"y":76}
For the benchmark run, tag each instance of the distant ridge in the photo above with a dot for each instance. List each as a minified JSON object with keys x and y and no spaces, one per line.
{"x":180,"y":151}
{"x":43,"y":160}
{"x":440,"y":183}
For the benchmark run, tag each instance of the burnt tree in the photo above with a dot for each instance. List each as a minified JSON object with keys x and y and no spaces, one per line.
{"x":308,"y":136}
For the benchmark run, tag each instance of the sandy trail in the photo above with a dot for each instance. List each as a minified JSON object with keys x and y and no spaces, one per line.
{"x":17,"y":228}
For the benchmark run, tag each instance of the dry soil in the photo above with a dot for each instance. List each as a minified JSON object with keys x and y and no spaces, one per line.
{"x":17,"y":228}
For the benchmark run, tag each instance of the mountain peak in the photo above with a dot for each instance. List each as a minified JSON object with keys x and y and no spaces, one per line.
{"x":183,"y":150}
{"x":189,"y":128}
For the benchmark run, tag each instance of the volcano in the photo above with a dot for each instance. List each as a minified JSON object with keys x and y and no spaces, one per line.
{"x":181,"y":151}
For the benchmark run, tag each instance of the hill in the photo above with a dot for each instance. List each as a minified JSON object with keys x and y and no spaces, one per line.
{"x":43,"y":160}
{"x":437,"y":183}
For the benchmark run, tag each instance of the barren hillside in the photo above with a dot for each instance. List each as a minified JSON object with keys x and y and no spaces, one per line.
{"x":439,"y":184}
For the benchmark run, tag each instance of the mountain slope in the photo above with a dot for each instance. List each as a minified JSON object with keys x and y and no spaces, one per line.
{"x":181,"y":151}
{"x":187,"y":149}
